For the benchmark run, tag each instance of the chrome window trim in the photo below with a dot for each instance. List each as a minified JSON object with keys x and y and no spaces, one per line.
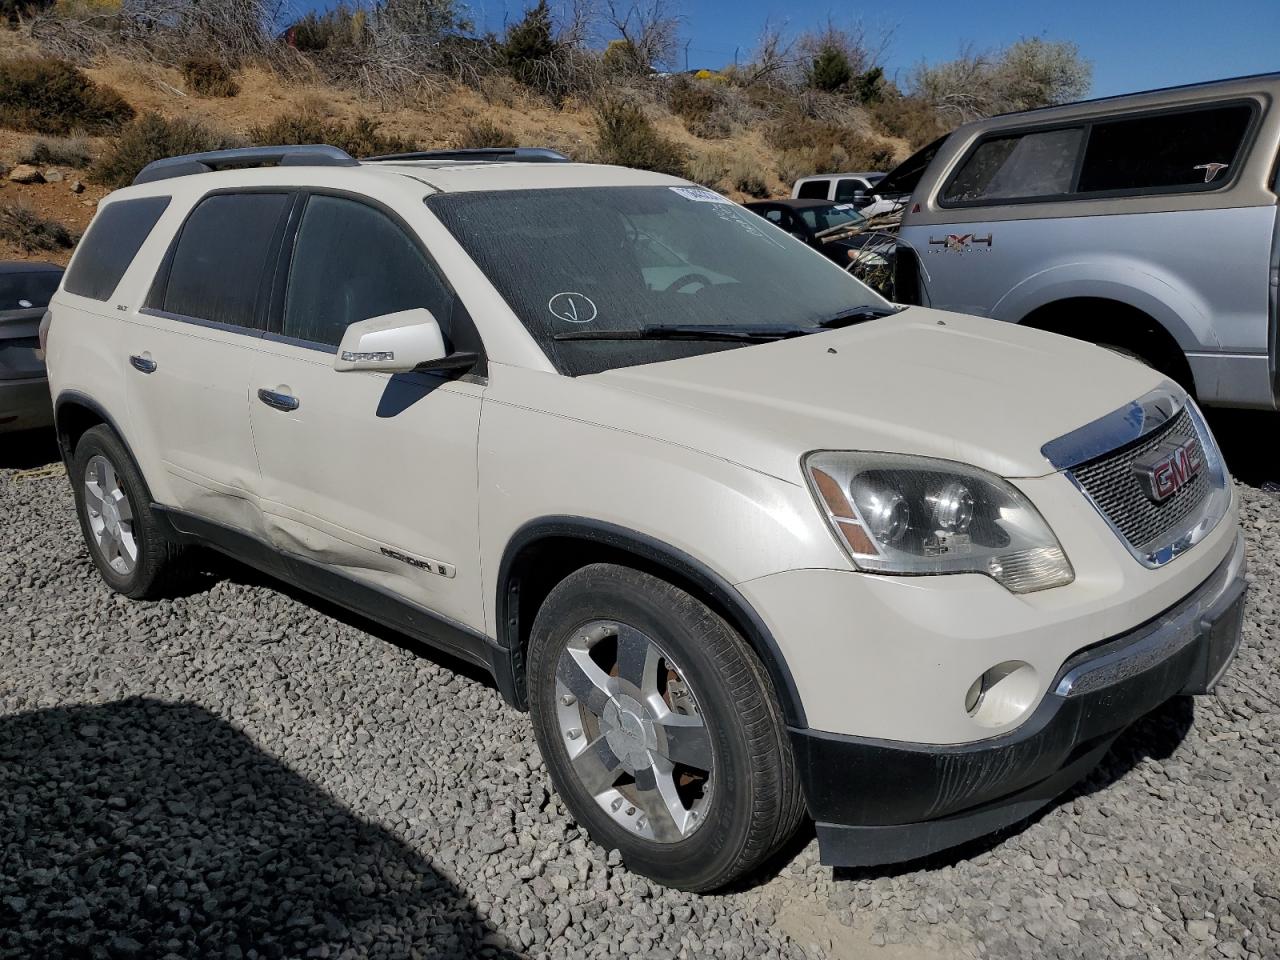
{"x":1130,"y":423}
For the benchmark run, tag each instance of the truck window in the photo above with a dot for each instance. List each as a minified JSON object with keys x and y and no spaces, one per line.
{"x":1193,"y":148}
{"x":1017,"y":167}
{"x":814,"y":190}
{"x":847,"y":189}
{"x":902,"y":180}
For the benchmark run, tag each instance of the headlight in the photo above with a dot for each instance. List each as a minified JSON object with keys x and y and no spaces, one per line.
{"x":915,"y":515}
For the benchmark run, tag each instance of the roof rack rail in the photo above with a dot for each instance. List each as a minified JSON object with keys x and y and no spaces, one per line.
{"x":500,"y":154}
{"x":307,"y":155}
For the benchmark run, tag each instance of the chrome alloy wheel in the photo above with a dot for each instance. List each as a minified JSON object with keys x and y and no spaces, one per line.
{"x":110,"y":516}
{"x":633,"y":731}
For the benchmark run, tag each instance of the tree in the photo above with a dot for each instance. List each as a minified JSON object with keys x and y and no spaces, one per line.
{"x":1027,"y":74}
{"x":649,"y":28}
{"x":830,"y":70}
{"x":529,"y":42}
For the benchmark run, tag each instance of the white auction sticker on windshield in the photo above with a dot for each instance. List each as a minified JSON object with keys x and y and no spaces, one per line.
{"x":701,"y":194}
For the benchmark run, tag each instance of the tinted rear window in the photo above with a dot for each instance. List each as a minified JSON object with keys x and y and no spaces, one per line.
{"x":114,"y":239}
{"x":221,"y":257}
{"x":27,"y":290}
{"x":1188,"y":149}
{"x":814,"y":190}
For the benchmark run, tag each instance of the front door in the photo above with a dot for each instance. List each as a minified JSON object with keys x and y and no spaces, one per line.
{"x":190,"y":351}
{"x":370,"y":474}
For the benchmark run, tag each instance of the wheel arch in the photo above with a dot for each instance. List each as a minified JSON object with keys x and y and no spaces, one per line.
{"x":543,"y":552}
{"x":74,"y":413}
{"x":1085,"y":318}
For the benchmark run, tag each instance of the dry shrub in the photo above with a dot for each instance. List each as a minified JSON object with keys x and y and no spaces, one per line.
{"x":209,"y":77}
{"x":824,"y":147}
{"x":709,"y":169}
{"x":21,"y":226}
{"x":152,"y":137}
{"x":486,"y":133}
{"x":911,"y":118}
{"x":360,"y":138}
{"x":58,"y":152}
{"x":51,"y":96}
{"x":744,"y":177}
{"x":625,"y":136}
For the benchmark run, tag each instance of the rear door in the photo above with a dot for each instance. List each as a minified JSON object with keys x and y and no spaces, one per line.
{"x":373,"y":475}
{"x":191,"y":350}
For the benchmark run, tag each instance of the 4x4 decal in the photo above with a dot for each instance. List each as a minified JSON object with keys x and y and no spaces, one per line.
{"x":959,"y":243}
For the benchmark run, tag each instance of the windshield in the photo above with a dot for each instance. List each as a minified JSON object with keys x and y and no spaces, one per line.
{"x":28,"y":289}
{"x":600,"y":260}
{"x":835,"y":215}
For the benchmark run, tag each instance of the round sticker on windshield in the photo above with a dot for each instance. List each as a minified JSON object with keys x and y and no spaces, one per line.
{"x":572,"y":307}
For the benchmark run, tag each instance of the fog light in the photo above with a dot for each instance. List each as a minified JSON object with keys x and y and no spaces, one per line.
{"x":1002,"y":694}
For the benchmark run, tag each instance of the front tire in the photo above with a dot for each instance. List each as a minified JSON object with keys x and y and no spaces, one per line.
{"x":125,"y":539}
{"x":660,"y":728}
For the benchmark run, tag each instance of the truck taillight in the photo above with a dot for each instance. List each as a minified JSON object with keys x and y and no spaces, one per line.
{"x":45,"y":322}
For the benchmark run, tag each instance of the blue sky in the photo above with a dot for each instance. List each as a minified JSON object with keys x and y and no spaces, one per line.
{"x":1134,"y":44}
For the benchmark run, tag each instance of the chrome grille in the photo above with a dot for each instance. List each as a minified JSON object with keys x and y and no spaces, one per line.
{"x":1114,"y":488}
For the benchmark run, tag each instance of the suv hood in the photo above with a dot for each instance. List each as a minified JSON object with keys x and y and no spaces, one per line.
{"x":922,"y":381}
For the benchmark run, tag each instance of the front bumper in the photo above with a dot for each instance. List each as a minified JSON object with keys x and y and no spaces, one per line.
{"x":25,"y":404}
{"x":882,"y":801}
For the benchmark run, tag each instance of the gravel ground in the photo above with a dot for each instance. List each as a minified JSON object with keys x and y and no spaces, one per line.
{"x":240,"y":773}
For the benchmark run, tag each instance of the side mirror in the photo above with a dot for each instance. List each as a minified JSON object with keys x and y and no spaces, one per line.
{"x":392,"y":343}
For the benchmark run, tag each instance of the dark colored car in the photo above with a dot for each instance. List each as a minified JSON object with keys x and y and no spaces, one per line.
{"x":25,"y":289}
{"x":830,"y":228}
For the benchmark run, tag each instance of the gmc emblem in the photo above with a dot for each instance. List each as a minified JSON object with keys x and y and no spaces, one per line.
{"x":1168,"y":468}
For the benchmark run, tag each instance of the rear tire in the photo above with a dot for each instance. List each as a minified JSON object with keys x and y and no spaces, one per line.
{"x":126,"y":540}
{"x":619,"y":659}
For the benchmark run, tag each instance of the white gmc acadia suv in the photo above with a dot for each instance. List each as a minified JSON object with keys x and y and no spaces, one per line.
{"x":746,"y":540}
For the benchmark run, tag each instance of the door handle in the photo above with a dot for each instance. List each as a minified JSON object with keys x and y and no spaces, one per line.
{"x":143,"y":364}
{"x":280,"y":401}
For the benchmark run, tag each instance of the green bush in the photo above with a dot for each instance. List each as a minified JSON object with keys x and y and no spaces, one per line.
{"x":152,"y":137}
{"x":21,"y":226}
{"x":58,"y":152}
{"x":360,"y":138}
{"x":209,"y":77}
{"x":486,"y":133}
{"x":625,"y":136}
{"x":529,"y":45}
{"x":50,"y":96}
{"x":830,"y":70}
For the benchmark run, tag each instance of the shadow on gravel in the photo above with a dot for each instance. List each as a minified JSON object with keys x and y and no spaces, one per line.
{"x":28,"y":449}
{"x":1246,"y":439}
{"x":143,"y":828}
{"x":1155,"y":736}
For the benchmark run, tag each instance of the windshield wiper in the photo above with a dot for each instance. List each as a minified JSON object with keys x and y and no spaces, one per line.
{"x":688,"y":331}
{"x":860,"y":315}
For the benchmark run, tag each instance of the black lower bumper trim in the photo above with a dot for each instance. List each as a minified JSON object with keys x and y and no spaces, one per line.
{"x":882,"y":801}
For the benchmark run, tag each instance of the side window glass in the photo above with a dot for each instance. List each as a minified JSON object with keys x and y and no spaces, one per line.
{"x":1038,"y":164}
{"x":814,"y":189}
{"x":114,"y":239}
{"x":352,"y":262}
{"x":221,"y":257}
{"x":773,"y":216}
{"x":1194,"y":149}
{"x":847,"y":189}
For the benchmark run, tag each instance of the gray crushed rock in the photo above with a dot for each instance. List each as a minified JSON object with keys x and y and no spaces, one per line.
{"x":238,"y":773}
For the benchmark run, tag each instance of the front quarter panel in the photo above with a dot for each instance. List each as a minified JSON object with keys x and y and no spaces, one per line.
{"x":533,"y":464}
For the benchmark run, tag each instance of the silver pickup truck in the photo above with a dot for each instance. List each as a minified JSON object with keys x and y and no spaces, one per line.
{"x":1146,"y":223}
